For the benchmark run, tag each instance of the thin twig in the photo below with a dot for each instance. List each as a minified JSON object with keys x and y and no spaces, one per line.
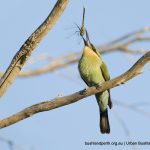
{"x":64,"y":61}
{"x":127,"y":36}
{"x":113,"y":46}
{"x":122,"y":123}
{"x":9,"y":142}
{"x":135,"y":107}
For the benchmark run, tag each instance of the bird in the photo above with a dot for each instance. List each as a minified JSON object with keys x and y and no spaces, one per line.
{"x":94,"y":71}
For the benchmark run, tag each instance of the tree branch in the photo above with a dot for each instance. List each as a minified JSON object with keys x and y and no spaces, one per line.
{"x":121,"y":44}
{"x":113,"y":46}
{"x":55,"y":64}
{"x":61,"y":101}
{"x":9,"y":142}
{"x":128,"y":36}
{"x":31,"y":43}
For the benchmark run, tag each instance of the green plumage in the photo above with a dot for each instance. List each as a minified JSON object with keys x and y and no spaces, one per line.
{"x":94,"y":71}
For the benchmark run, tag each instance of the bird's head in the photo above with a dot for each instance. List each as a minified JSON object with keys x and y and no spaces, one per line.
{"x":88,"y":44}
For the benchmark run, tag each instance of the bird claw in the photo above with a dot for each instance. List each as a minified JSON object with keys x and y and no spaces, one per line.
{"x":98,"y":86}
{"x":120,"y":83}
{"x":83,"y":92}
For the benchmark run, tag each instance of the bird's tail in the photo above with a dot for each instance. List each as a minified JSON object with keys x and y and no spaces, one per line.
{"x":103,"y":100}
{"x":104,"y":122}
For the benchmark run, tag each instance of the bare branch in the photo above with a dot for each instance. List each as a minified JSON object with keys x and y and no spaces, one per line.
{"x":42,"y":57}
{"x":61,"y":101}
{"x":12,"y":145}
{"x":113,"y":46}
{"x":127,"y":36}
{"x":31,"y":43}
{"x":9,"y":142}
{"x":64,"y":61}
{"x":72,"y":58}
{"x":135,"y":107}
{"x":122,"y":123}
{"x":55,"y":64}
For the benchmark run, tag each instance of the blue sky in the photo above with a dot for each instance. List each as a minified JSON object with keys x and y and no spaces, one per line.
{"x":70,"y":126}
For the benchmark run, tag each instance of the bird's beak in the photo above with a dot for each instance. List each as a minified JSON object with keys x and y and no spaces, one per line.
{"x":87,"y":41}
{"x":87,"y":37}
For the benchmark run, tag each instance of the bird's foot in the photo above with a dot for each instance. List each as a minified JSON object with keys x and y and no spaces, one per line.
{"x":120,"y":83}
{"x":83,"y":92}
{"x":98,"y":86}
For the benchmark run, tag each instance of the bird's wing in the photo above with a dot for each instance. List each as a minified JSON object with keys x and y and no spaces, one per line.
{"x":85,"y":81}
{"x":105,"y":71}
{"x":106,"y":76}
{"x":103,"y":66}
{"x":95,"y":50}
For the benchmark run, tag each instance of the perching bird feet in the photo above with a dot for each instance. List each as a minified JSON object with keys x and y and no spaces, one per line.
{"x":83,"y":92}
{"x":98,"y":86}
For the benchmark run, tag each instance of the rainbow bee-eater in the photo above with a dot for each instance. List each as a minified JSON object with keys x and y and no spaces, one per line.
{"x":94,"y":71}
